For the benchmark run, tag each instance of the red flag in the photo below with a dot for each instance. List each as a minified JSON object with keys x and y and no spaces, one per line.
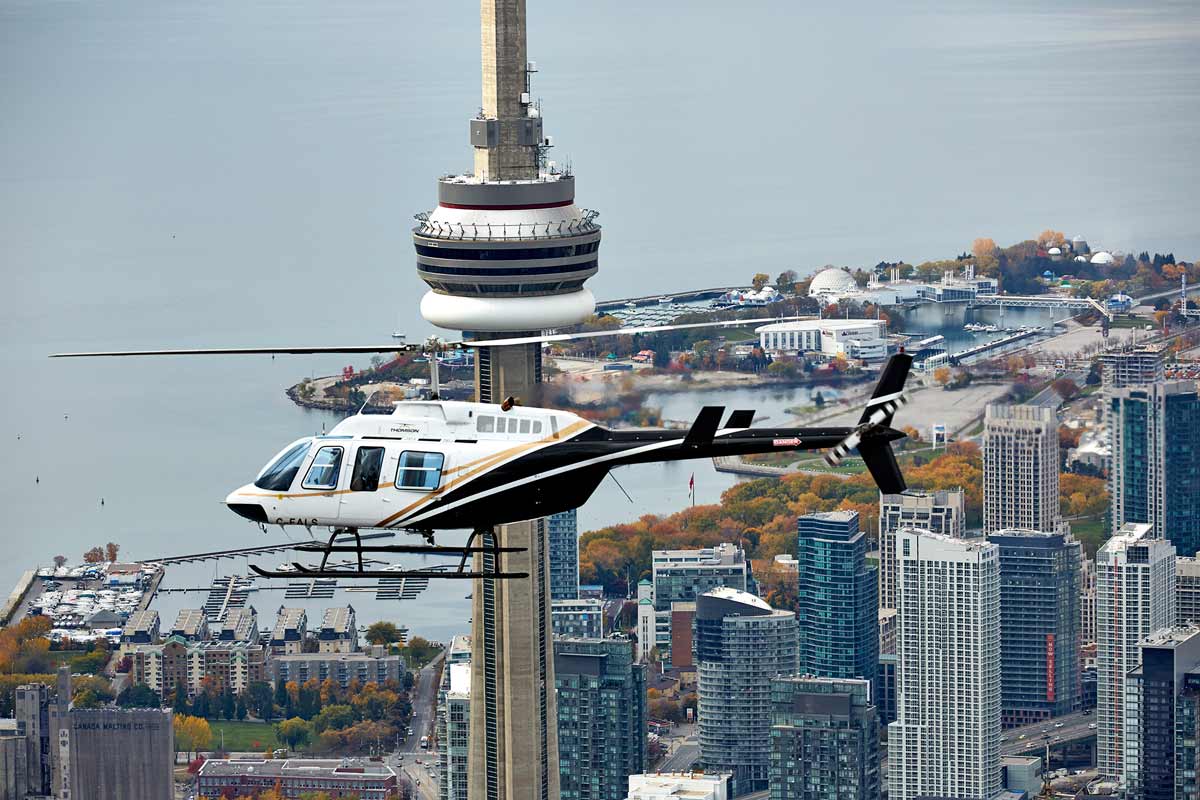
{"x":692,"y":483}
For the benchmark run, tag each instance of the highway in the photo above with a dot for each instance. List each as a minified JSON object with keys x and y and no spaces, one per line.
{"x":1032,"y":739}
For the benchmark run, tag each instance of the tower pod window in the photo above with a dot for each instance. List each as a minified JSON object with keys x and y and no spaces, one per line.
{"x":323,"y":474}
{"x":368,"y":465}
{"x":419,"y":471}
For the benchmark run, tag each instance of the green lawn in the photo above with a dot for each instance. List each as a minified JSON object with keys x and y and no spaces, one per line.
{"x":1091,"y":533}
{"x":242,"y":737}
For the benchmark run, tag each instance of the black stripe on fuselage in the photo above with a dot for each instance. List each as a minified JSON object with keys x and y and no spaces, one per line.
{"x":575,"y":484}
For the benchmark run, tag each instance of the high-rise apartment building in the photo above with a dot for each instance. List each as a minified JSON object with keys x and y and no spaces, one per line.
{"x":601,"y":717}
{"x":741,"y":644}
{"x":1154,"y":753}
{"x":942,"y":511}
{"x":1039,"y":625}
{"x":837,"y":603}
{"x":824,"y":740}
{"x":1133,"y":366}
{"x":680,"y":576}
{"x":945,"y":741}
{"x":1020,"y":468}
{"x":578,"y":619}
{"x":1087,"y":602}
{"x":1135,"y":596}
{"x":562,"y":533}
{"x":1187,"y":591}
{"x":1155,"y":475}
{"x":453,"y":731}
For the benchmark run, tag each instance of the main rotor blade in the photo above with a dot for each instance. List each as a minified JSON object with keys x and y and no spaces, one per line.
{"x":242,"y":351}
{"x":566,"y":337}
{"x":403,"y":347}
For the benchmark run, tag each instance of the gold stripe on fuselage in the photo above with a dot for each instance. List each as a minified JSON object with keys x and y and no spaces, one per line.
{"x":485,"y":464}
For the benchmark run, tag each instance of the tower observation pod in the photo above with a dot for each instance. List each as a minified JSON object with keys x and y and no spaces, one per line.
{"x":507,"y":249}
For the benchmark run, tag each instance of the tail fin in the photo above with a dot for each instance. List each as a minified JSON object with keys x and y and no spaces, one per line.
{"x":881,"y":463}
{"x":740,"y":419}
{"x":888,"y":390}
{"x":705,"y":427}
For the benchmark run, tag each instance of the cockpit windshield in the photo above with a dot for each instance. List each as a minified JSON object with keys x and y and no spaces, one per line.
{"x":279,"y":474}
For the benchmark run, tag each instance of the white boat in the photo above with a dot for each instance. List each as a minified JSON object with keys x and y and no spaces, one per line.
{"x":665,"y":300}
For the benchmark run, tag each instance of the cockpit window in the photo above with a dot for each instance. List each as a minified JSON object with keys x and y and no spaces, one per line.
{"x":368,"y":464}
{"x":279,"y":474}
{"x":323,"y":474}
{"x":421,"y":471}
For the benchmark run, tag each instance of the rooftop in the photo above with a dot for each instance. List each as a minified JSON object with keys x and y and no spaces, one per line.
{"x":297,"y":767}
{"x":338,"y":619}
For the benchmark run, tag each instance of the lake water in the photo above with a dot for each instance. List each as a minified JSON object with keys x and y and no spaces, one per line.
{"x":228,"y":173}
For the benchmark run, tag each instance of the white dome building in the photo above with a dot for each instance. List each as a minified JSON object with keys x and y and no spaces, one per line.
{"x":1102,"y":258}
{"x":832,"y":281}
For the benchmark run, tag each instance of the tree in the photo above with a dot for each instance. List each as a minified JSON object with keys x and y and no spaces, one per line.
{"x":334,"y":717}
{"x":111,"y":550}
{"x":139,"y":695}
{"x":94,"y":556}
{"x":293,"y":732}
{"x":383,"y":632}
{"x":1051,"y":238}
{"x":760,"y":280}
{"x":59,"y":561}
{"x":259,"y":700}
{"x":240,"y":710}
{"x":983,"y":247}
{"x":1065,"y":388}
{"x":942,"y":375}
{"x":179,"y":702}
{"x":192,"y":734}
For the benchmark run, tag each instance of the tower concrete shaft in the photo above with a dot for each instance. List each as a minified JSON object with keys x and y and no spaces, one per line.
{"x":509,"y":150}
{"x":514,"y":732}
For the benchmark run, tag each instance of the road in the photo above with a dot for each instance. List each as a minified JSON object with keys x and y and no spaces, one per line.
{"x":410,"y":760}
{"x":1033,"y":738}
{"x":686,"y":749}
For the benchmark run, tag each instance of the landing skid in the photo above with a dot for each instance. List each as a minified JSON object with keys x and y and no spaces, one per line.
{"x":491,"y":557}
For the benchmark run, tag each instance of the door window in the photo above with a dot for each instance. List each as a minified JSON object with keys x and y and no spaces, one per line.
{"x":419,"y":471}
{"x":323,"y":474}
{"x":368,"y":465}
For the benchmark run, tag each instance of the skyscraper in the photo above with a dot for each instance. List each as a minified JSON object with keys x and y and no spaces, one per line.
{"x":453,"y":731}
{"x":563,"y":533}
{"x":1135,"y":596}
{"x":1133,"y":366}
{"x":32,"y":707}
{"x":1039,"y":625}
{"x":1020,"y":468}
{"x":1155,"y":475}
{"x":942,"y":511}
{"x":741,"y":644}
{"x":680,"y":576}
{"x":1187,"y":591}
{"x":837,"y":603}
{"x":945,"y":741}
{"x":1155,"y":754}
{"x":824,"y":740}
{"x":601,"y":717}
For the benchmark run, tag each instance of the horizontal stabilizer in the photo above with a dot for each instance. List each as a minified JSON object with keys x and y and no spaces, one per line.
{"x":881,"y":463}
{"x":705,"y":427}
{"x":740,"y":419}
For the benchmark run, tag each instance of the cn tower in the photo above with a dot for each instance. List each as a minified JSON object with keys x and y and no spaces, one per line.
{"x":506,"y":252}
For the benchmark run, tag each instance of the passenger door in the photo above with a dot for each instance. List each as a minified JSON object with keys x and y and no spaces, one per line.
{"x":364,"y":502}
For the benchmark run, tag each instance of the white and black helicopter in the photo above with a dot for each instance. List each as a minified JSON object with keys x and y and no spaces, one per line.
{"x":447,"y":465}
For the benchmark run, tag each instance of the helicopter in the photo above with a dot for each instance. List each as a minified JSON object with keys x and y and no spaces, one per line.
{"x":436,"y":465}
